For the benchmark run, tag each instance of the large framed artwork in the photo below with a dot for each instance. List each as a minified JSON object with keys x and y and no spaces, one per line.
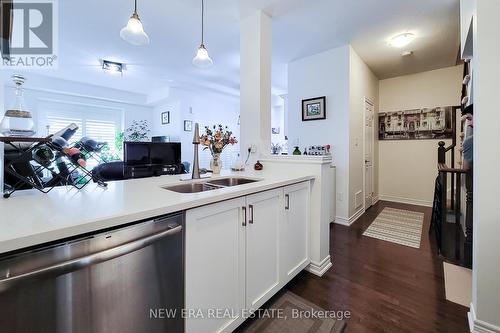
{"x":417,"y":124}
{"x":314,"y":108}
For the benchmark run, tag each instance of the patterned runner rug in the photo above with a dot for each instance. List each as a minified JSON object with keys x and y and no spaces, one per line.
{"x":398,"y":226}
{"x":291,"y":304}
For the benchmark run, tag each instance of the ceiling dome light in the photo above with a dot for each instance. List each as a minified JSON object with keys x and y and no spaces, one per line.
{"x":202,"y":59}
{"x":402,"y":40}
{"x":133,"y":32}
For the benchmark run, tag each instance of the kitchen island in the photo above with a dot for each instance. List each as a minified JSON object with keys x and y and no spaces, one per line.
{"x":30,"y":218}
{"x":242,"y":243}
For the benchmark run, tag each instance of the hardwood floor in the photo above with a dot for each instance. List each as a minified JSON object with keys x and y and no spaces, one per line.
{"x":387,"y":287}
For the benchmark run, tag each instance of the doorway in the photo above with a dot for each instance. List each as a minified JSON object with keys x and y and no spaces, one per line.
{"x":369,"y":115}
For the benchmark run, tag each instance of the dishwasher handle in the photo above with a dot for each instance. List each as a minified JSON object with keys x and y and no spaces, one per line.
{"x":92,"y":259}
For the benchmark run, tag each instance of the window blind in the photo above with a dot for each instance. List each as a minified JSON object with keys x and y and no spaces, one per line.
{"x":57,"y":123}
{"x":100,"y":124}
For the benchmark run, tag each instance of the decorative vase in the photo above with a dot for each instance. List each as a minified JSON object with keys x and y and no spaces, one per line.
{"x":17,"y":121}
{"x":216,"y":164}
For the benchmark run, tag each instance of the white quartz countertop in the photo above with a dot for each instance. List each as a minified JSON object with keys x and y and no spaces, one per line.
{"x":31,"y":218}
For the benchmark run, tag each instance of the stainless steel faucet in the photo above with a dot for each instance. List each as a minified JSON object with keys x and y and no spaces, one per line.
{"x":196,"y":161}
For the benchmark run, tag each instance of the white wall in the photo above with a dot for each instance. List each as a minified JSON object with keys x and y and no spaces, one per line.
{"x":486,"y":271}
{"x":323,"y":74}
{"x":363,"y":84}
{"x":342,"y":76}
{"x":408,"y":169}
{"x":205,"y":108}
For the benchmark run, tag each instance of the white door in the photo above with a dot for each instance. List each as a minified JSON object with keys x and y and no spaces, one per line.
{"x":215,"y":265}
{"x":264,"y":214}
{"x":294,"y":231}
{"x":368,"y":149}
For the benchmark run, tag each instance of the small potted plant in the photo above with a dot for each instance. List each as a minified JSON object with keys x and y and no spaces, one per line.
{"x":216,"y":139}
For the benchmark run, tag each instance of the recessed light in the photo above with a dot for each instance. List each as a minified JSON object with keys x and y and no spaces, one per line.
{"x":112,"y":67}
{"x":402,"y":40}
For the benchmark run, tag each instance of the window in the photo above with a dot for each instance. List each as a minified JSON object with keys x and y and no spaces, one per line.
{"x":57,"y":123}
{"x":102,"y":131}
{"x":96,"y":122}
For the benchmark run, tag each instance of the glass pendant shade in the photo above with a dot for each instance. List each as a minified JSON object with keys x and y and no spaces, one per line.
{"x":202,"y":59}
{"x":17,"y":121}
{"x":134,"y":33}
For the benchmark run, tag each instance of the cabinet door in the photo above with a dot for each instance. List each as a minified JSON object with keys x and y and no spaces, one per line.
{"x":294,"y":231}
{"x":215,"y":266}
{"x":265,"y":211}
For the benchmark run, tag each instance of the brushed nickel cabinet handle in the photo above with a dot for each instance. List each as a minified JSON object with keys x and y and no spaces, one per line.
{"x":244,"y":209}
{"x":287,"y":201}
{"x":250,"y":220}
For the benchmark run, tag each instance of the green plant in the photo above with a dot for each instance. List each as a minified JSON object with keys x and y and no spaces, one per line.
{"x":138,"y":131}
{"x":109,"y":155}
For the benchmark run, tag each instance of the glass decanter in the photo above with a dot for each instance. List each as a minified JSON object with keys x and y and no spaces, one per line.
{"x":17,"y":121}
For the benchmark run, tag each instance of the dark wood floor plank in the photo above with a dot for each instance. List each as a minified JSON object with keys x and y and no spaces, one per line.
{"x":387,"y":287}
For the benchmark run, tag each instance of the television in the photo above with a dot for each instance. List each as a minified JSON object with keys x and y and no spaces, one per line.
{"x":152,"y":153}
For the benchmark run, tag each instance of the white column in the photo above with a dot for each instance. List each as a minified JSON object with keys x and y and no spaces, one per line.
{"x":255,"y":83}
{"x":486,"y":235}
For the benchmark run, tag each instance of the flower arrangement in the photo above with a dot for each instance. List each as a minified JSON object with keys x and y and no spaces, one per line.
{"x":217,"y":138}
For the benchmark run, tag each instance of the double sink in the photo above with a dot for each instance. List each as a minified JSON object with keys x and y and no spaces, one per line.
{"x":210,"y":185}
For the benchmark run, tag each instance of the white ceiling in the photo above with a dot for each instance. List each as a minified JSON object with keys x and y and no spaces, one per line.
{"x":368,"y":25}
{"x":89,"y":31}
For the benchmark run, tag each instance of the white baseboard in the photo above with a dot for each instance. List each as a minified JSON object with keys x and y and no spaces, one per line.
{"x":348,"y":222}
{"x":342,"y":221}
{"x":410,"y":201}
{"x":479,"y":326}
{"x":375,"y":199}
{"x":320,"y":268}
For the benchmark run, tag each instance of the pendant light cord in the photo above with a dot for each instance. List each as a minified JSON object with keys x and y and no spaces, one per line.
{"x":202,"y":21}
{"x":135,"y":6}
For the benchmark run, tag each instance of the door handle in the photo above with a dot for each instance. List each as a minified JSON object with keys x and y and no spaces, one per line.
{"x":244,"y":209}
{"x":287,"y":201}
{"x":92,"y":259}
{"x":250,"y":219}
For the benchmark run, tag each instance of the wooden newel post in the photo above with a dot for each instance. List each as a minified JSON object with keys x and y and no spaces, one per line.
{"x":441,"y":152}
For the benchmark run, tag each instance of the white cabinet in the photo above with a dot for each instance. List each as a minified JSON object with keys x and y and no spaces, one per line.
{"x":215,"y":266}
{"x":240,"y":252}
{"x":294,"y":231}
{"x":264,"y":212}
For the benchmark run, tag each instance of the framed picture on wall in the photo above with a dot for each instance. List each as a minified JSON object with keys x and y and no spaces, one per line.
{"x":314,"y":108}
{"x":418,"y":124}
{"x":188,"y":126}
{"x":165,"y":118}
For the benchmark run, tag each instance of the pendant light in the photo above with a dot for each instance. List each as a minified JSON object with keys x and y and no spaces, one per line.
{"x":202,"y":59}
{"x":133,"y":32}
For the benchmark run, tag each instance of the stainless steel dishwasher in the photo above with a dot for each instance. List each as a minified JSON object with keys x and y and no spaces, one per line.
{"x":124,"y":280}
